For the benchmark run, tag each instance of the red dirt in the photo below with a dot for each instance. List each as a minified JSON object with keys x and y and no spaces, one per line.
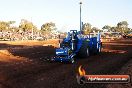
{"x":24,"y":65}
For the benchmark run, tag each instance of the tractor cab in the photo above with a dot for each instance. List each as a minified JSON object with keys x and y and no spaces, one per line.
{"x":67,"y":47}
{"x":71,"y":40}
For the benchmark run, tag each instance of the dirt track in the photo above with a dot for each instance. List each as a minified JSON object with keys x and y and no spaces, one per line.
{"x":27,"y":68}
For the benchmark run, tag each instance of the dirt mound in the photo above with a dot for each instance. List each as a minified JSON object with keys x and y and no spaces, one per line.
{"x":6,"y":52}
{"x":31,"y":42}
{"x":6,"y":56}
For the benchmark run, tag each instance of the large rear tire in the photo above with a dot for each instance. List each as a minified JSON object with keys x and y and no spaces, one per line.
{"x":84,"y":50}
{"x":98,"y":49}
{"x":87,"y":52}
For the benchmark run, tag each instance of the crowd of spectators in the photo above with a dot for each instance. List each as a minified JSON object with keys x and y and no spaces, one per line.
{"x":13,"y":36}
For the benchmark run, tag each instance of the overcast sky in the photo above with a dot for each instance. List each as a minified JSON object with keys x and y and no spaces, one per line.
{"x":65,"y":13}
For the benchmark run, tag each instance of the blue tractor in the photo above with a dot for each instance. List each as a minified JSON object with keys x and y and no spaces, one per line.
{"x":77,"y":44}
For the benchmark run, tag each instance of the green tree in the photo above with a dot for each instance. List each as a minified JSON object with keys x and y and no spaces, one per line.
{"x":4,"y":26}
{"x":95,"y":29}
{"x":107,"y":27}
{"x":26,"y":25}
{"x":113,"y":29}
{"x":123,"y":27}
{"x":11,"y":22}
{"x":48,"y":27}
{"x":86,"y":28}
{"x":11,"y":27}
{"x":124,"y":24}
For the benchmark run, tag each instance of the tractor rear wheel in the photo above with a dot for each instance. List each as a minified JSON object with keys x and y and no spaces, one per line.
{"x":99,"y":49}
{"x":84,"y":50}
{"x":87,"y":52}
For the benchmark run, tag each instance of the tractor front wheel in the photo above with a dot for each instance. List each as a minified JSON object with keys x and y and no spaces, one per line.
{"x":72,"y":61}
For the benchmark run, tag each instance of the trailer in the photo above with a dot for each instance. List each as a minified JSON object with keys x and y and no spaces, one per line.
{"x":77,"y":44}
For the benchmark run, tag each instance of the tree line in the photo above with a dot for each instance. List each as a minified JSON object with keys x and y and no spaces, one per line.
{"x":26,"y":30}
{"x":121,"y":27}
